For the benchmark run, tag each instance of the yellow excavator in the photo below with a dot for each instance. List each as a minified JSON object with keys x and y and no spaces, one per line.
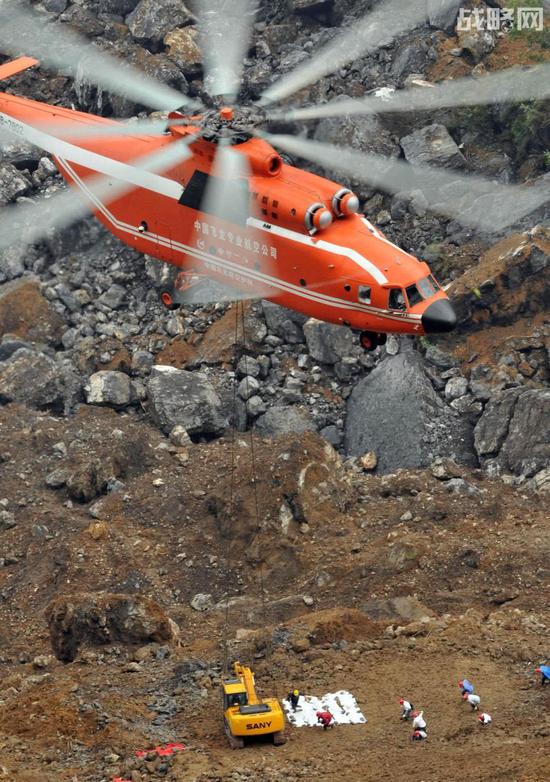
{"x":244,"y":714}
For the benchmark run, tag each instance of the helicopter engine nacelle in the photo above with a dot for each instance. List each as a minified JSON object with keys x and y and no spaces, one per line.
{"x":344,"y":202}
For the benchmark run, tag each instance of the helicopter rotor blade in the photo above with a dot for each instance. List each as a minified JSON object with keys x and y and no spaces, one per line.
{"x":112,"y":128}
{"x":508,"y":86}
{"x":24,"y":224}
{"x":60,"y":48}
{"x":472,"y":200}
{"x":387,"y":21}
{"x":225,"y":28}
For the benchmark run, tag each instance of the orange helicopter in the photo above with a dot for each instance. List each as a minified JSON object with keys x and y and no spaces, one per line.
{"x":205,"y":191}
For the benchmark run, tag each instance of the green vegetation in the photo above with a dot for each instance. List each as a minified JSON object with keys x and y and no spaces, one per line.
{"x":530,"y":128}
{"x":547,"y":158}
{"x":540,"y":37}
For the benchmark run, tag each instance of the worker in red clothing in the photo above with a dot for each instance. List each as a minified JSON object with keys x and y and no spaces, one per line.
{"x":325,"y":718}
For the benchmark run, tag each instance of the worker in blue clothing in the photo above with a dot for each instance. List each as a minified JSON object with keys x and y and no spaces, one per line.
{"x":466,"y":687}
{"x":544,"y":671}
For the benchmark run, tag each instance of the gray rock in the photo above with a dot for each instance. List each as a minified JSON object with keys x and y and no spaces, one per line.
{"x":410,"y":58}
{"x":305,"y":6}
{"x":248,"y":387}
{"x":113,"y":297}
{"x":13,"y":183}
{"x":108,"y":388}
{"x":12,"y":263}
{"x":332,"y":434}
{"x":31,"y":378}
{"x":369,"y":135}
{"x":515,"y":431}
{"x":286,"y":324}
{"x":152,"y":19}
{"x":478,"y":43}
{"x":202,"y":602}
{"x":284,"y":420}
{"x":255,"y":406}
{"x":7,"y":520}
{"x":492,"y":428}
{"x":439,"y":358}
{"x":442,"y":14}
{"x":248,"y":366}
{"x":177,"y":396}
{"x":142,"y":361}
{"x":456,"y":387}
{"x":328,"y":343}
{"x":396,"y":413}
{"x":55,"y":6}
{"x":432,"y":145}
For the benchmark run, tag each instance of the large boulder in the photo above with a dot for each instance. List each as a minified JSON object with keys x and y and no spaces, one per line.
{"x":184,"y":50}
{"x":284,"y":420}
{"x":286,"y":324}
{"x":396,"y":413}
{"x":442,"y":14}
{"x":328,"y":343}
{"x":26,"y":313}
{"x":432,"y":145}
{"x":369,"y":135}
{"x":31,"y":378}
{"x":177,"y":396}
{"x":152,"y":19}
{"x":513,"y":434}
{"x":104,"y":619}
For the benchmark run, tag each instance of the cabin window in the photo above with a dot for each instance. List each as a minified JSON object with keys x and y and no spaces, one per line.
{"x":426,"y":287}
{"x":413,"y":295}
{"x":434,"y":282}
{"x":397,"y":299}
{"x":363,"y":294}
{"x":236,"y":699}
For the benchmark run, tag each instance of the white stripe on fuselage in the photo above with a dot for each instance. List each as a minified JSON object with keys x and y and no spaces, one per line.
{"x":321,"y":244}
{"x":223,"y":264}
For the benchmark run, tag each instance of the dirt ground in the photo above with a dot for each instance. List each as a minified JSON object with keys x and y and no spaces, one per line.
{"x":408,"y":587}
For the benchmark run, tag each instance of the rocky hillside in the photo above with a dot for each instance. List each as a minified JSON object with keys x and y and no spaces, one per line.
{"x":388,"y":531}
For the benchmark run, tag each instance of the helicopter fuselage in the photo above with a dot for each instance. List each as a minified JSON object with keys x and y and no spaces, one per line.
{"x":346,"y":273}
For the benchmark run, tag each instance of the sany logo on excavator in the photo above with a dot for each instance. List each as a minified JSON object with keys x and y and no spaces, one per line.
{"x":257,"y":725}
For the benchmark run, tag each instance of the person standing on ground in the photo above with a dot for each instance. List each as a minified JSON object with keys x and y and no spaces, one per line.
{"x":419,"y":723}
{"x":293,"y":697}
{"x":325,"y":718}
{"x":544,"y":671}
{"x":406,"y":707}
{"x":466,"y":687}
{"x":473,"y":700}
{"x":484,"y":719}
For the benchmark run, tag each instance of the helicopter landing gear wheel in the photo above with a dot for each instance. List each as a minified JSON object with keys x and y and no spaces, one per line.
{"x":382,"y":339}
{"x":168,"y":301}
{"x":368,"y":340}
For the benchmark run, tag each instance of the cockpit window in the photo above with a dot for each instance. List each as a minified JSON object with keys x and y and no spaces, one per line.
{"x":413,"y":295}
{"x":427,"y":287}
{"x":434,"y":282}
{"x":397,"y":299}
{"x":363,"y":294}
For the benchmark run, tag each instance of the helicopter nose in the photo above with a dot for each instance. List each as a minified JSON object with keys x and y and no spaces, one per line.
{"x":439,"y":317}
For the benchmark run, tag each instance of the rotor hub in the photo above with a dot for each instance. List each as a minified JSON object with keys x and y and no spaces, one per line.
{"x":236,"y":124}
